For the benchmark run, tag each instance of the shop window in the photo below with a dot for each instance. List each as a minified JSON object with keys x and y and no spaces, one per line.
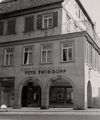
{"x":1,"y":28}
{"x":47,"y":21}
{"x":46,"y":53}
{"x":11,"y":24}
{"x":27,"y":55}
{"x":67,"y":52}
{"x":29,"y":24}
{"x":9,"y":57}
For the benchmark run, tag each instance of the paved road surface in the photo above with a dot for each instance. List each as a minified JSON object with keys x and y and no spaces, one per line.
{"x":51,"y":114}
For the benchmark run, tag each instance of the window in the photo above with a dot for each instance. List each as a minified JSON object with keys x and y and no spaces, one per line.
{"x":11,"y":26}
{"x":27,"y":55}
{"x":1,"y":28}
{"x":93,"y":57}
{"x":67,"y":52}
{"x":9,"y":57}
{"x":47,"y":21}
{"x":29,"y":24}
{"x":46,"y":53}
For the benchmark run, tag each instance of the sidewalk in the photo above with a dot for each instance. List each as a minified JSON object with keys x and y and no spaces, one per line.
{"x":48,"y":111}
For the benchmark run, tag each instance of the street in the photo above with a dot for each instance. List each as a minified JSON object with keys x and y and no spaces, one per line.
{"x":51,"y":114}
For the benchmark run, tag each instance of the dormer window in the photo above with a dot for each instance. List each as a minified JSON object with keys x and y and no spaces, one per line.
{"x":11,"y":24}
{"x":47,"y":21}
{"x":1,"y":28}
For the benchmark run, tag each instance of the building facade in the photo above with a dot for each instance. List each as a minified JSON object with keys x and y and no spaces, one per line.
{"x":49,"y":55}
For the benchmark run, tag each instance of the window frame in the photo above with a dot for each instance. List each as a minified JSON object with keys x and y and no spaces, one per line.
{"x":62,"y":48}
{"x":51,"y":59}
{"x":49,"y":16}
{"x":9,"y":57}
{"x":25,"y":25}
{"x":30,"y":46}
{"x":7,"y":27}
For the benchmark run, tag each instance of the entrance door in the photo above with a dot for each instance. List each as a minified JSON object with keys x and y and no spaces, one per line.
{"x":61,"y":96}
{"x":31,"y":95}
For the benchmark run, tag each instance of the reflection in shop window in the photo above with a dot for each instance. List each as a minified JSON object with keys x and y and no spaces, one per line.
{"x":9,"y":57}
{"x":27,"y":55}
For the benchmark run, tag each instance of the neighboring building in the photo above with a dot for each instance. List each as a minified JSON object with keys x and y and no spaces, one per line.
{"x":49,"y":55}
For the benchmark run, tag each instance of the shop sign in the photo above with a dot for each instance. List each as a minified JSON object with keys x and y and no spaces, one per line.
{"x":42,"y":71}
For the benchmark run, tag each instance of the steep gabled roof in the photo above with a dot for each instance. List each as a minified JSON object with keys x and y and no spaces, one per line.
{"x":14,"y":5}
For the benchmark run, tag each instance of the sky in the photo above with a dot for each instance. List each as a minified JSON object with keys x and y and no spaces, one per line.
{"x":93,"y":9}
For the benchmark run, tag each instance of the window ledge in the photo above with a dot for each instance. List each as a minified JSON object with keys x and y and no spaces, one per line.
{"x":46,"y":63}
{"x":27,"y":64}
{"x":8,"y":66}
{"x":67,"y":61}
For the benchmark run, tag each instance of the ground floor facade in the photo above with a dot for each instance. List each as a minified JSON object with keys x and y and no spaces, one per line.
{"x":58,"y":92}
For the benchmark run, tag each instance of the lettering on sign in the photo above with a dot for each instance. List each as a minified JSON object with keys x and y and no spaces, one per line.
{"x":39,"y":71}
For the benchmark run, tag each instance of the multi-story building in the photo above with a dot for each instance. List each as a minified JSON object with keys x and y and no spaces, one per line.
{"x":49,"y":55}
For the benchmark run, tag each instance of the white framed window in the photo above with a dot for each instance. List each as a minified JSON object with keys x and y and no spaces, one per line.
{"x":27,"y":55}
{"x":47,"y":21}
{"x":67,"y":52}
{"x":46,"y":53}
{"x":9,"y":57}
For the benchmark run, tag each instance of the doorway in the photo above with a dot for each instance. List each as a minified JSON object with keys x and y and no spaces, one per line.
{"x":31,"y":95}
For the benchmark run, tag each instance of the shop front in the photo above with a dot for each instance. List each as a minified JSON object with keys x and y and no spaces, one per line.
{"x":7,"y":91}
{"x":61,"y":94}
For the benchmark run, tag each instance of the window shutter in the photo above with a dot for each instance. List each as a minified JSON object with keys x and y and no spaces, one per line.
{"x":55,"y":19}
{"x":39,"y":22}
{"x":11,"y":26}
{"x":29,"y":24}
{"x":1,"y":28}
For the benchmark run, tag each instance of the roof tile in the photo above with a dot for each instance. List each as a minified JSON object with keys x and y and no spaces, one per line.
{"x":12,"y":5}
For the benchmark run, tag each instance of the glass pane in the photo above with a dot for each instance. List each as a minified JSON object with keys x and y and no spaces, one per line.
{"x":69,"y":95}
{"x":48,"y":56}
{"x":10,"y":50}
{"x":44,"y":56}
{"x":45,"y":23}
{"x":70,"y":53}
{"x":50,"y":22}
{"x":64,"y":54}
{"x":67,"y":45}
{"x":7,"y":60}
{"x":28,"y":49}
{"x":30,"y":57}
{"x":11,"y":60}
{"x":25,"y":58}
{"x":46,"y":47}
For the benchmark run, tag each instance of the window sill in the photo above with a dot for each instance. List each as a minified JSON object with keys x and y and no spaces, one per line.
{"x":8,"y":66}
{"x":27,"y":32}
{"x":46,"y":63}
{"x":67,"y":61}
{"x":10,"y":34}
{"x":27,"y":64}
